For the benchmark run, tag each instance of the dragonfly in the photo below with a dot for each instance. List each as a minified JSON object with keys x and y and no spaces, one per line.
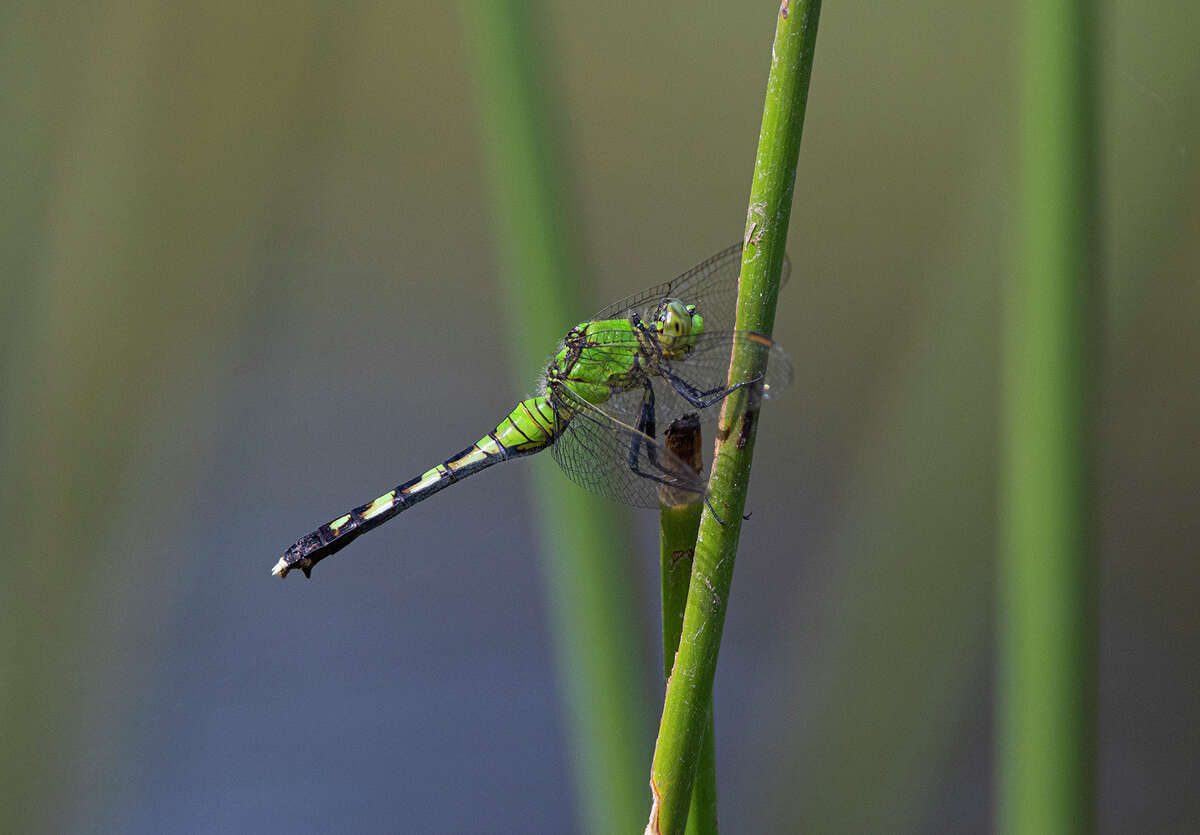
{"x":636,"y":365}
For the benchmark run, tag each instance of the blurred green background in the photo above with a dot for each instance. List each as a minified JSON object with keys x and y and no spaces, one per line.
{"x":247,"y":279}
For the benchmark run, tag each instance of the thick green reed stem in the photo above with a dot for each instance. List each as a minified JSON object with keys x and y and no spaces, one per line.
{"x":596,"y":649}
{"x":689,"y":692}
{"x":1047,"y":646}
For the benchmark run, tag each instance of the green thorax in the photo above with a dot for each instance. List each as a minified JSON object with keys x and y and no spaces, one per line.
{"x":597,"y":358}
{"x":600,"y":358}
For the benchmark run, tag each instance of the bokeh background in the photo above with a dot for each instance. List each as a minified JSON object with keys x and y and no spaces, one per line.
{"x":248,"y":279}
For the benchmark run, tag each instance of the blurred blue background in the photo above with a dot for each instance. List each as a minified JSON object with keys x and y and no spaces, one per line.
{"x":248,"y":280}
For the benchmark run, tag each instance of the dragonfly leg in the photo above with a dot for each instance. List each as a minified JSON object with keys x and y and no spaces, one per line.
{"x":712,"y":509}
{"x":704,"y":399}
{"x":646,"y":429}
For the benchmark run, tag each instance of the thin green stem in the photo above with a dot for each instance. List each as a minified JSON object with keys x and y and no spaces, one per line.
{"x":679,"y":522}
{"x":1046,"y":738}
{"x":678,"y":527}
{"x":594,"y":636}
{"x":688,"y":699}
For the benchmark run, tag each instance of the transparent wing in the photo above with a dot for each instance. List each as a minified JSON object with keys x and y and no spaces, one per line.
{"x":710,"y":285}
{"x":705,"y":368}
{"x":610,"y":457}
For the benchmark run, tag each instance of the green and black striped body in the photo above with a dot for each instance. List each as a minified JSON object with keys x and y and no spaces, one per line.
{"x":528,"y":428}
{"x":596,"y":360}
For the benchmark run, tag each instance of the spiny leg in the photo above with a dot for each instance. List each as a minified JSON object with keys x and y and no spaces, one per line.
{"x":713,"y":510}
{"x":704,"y":399}
{"x":646,"y":426}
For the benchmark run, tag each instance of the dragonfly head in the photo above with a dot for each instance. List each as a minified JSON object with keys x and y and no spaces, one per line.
{"x":678,"y":325}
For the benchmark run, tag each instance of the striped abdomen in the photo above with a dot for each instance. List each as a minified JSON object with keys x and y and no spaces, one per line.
{"x":528,"y":428}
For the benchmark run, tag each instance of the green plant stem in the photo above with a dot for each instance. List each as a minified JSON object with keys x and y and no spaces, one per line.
{"x":678,"y":525}
{"x":688,"y":699}
{"x":594,"y":636}
{"x":1046,"y":676}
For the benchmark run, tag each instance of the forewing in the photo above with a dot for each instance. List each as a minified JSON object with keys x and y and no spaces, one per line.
{"x":710,"y":285}
{"x":594,"y":448}
{"x":706,"y":367}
